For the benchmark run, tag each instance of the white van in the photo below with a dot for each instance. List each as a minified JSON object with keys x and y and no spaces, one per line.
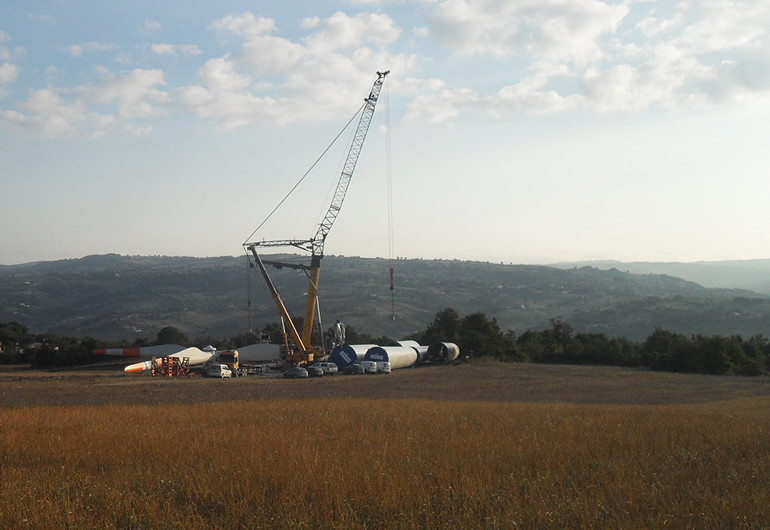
{"x":370,"y":367}
{"x":328,"y":368}
{"x":219,"y":370}
{"x":383,"y":367}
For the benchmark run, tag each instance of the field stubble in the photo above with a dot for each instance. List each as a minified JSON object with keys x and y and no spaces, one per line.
{"x":492,"y":446}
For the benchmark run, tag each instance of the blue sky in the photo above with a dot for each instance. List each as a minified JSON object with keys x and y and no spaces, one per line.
{"x":527,"y":131}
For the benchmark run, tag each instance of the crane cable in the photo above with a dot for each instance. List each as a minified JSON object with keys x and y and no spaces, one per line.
{"x":248,"y":284}
{"x":389,"y":179}
{"x":306,"y":173}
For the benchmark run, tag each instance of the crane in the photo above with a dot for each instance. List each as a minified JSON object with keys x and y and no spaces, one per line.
{"x":302,"y":351}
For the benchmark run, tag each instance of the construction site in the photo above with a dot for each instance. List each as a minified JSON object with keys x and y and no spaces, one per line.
{"x":309,"y":350}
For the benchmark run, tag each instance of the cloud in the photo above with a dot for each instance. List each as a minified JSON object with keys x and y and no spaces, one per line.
{"x":8,"y":72}
{"x":445,"y":106}
{"x":341,"y":31}
{"x":114,"y":101}
{"x":555,"y":30}
{"x":531,"y":96}
{"x":220,"y":75}
{"x":7,"y":54}
{"x":135,"y":93}
{"x":703,"y":53}
{"x":604,"y":56}
{"x":149,"y":27}
{"x":175,"y":50}
{"x":46,"y":112}
{"x":78,"y":50}
{"x":282,"y":80}
{"x":495,"y":57}
{"x":262,"y":52}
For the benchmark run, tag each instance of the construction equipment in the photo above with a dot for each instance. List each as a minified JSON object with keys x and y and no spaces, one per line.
{"x":170,"y":366}
{"x":299,"y":349}
{"x":231,"y":359}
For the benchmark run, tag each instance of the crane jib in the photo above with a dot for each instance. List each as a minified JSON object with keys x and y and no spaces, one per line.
{"x":304,"y":351}
{"x":350,"y":164}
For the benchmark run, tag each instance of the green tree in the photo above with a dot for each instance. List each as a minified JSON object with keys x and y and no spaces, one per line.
{"x":628,"y":353}
{"x":171,"y":335}
{"x":353,"y":336}
{"x":480,"y":336}
{"x":274,"y":331}
{"x":444,"y":328}
{"x":531,"y":347}
{"x":13,"y":334}
{"x":666,"y":350}
{"x":558,"y":342}
{"x":712,"y":355}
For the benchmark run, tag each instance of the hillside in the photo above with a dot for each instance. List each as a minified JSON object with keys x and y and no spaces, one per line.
{"x":752,"y":274}
{"x":127,"y":297}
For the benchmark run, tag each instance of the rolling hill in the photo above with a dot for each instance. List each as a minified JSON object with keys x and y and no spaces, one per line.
{"x":751,"y":274}
{"x":117,"y":297}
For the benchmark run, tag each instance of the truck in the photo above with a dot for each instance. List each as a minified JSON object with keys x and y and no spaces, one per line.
{"x":231,"y":359}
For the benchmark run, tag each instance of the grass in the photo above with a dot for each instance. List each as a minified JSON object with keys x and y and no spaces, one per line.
{"x":444,"y":447}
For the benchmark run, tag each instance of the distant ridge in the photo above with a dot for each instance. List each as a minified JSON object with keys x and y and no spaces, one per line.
{"x":750,"y":274}
{"x":118,"y":297}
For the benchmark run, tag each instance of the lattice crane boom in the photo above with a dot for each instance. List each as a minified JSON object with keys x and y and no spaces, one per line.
{"x":319,"y":239}
{"x":303,"y":352}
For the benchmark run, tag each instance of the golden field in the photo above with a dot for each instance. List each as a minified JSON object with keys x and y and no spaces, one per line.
{"x":484,"y":446}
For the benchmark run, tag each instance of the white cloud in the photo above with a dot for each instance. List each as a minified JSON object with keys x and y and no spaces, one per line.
{"x":78,"y":50}
{"x":532,"y":56}
{"x":704,"y":53}
{"x":220,"y":76}
{"x":231,"y":110}
{"x":442,"y":107}
{"x":224,"y":94}
{"x":8,"y":72}
{"x":126,"y":98}
{"x":123,"y":59}
{"x":555,"y":30}
{"x":341,"y":31}
{"x":135,"y":93}
{"x":45,"y":112}
{"x":282,"y":80}
{"x":592,"y":53}
{"x":246,"y":25}
{"x":176,"y":49}
{"x":149,"y":27}
{"x":718,"y":24}
{"x":531,"y":96}
{"x":262,"y":53}
{"x":7,"y":54}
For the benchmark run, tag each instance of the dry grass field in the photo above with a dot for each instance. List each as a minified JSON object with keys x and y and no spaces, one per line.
{"x":484,"y":446}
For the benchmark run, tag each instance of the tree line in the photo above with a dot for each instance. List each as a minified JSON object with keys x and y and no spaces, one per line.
{"x":477,"y":336}
{"x":663,"y":350}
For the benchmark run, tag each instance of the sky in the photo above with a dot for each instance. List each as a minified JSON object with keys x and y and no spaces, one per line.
{"x":515,"y":131}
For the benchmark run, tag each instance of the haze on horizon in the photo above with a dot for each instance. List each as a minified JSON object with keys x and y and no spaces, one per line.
{"x":520,"y":132}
